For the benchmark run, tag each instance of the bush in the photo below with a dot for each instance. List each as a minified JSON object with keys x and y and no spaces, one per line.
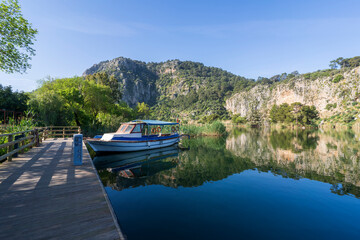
{"x":216,"y":127}
{"x":338,"y":78}
{"x":296,"y":112}
{"x":210,"y":118}
{"x":348,"y":118}
{"x":238,"y":119}
{"x":330,"y":106}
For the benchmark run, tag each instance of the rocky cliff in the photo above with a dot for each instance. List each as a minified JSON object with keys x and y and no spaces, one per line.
{"x":136,"y":80}
{"x":192,"y":91}
{"x":175,"y":87}
{"x":318,"y":92}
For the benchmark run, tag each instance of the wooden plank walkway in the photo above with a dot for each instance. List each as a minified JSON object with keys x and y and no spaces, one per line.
{"x":43,"y":196}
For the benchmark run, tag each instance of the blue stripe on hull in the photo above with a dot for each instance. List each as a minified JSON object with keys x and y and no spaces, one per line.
{"x":146,"y":138}
{"x":103,"y":146}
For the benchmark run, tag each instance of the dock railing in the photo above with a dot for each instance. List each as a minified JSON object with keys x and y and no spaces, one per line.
{"x":61,"y":131}
{"x":18,"y":142}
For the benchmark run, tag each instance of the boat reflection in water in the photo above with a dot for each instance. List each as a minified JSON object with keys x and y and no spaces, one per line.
{"x":137,"y":165}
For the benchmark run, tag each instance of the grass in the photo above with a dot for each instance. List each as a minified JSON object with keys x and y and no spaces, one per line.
{"x":13,"y":126}
{"x":215,"y":128}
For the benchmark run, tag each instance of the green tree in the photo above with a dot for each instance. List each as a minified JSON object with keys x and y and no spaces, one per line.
{"x":104,"y":79}
{"x":296,"y":108}
{"x":12,"y":100}
{"x":76,"y":101}
{"x":16,"y":38}
{"x":143,"y":110}
{"x":296,"y":112}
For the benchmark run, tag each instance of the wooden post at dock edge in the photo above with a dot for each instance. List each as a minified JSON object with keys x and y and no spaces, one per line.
{"x":10,"y":148}
{"x":37,"y":141}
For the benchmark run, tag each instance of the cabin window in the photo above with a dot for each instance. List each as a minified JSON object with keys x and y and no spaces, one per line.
{"x":136,"y":129}
{"x":128,"y":129}
{"x":121,"y":128}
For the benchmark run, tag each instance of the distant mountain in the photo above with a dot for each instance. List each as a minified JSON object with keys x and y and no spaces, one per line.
{"x":173,"y":87}
{"x":191,"y":90}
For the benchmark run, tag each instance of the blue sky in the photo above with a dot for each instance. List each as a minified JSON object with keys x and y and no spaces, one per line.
{"x":248,"y":38}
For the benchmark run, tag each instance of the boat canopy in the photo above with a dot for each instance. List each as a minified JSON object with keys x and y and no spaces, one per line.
{"x":154,"y":122}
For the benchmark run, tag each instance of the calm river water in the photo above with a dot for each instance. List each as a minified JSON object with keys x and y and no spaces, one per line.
{"x":249,"y":185}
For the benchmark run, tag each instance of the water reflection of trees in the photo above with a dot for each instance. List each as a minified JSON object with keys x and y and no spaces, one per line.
{"x":295,"y":141}
{"x":330,"y":157}
{"x":327,"y":157}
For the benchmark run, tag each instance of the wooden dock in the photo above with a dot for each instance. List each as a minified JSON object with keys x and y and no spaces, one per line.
{"x":43,"y":196}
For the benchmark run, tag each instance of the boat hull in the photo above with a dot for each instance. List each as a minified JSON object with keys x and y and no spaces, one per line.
{"x":130,"y":146}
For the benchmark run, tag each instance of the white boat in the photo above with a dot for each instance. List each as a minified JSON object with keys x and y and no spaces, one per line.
{"x":137,"y":135}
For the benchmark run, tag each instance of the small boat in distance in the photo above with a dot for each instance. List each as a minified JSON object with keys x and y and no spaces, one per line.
{"x":137,"y":135}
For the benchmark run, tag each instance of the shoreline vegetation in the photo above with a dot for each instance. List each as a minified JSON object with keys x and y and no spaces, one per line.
{"x":215,"y":128}
{"x":99,"y":101}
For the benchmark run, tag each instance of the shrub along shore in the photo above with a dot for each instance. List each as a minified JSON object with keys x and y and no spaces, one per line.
{"x":215,"y":128}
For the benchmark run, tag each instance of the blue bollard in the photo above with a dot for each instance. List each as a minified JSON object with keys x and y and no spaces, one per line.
{"x":77,"y":147}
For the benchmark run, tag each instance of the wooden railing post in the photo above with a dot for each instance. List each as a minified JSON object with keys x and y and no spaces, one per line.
{"x":36,"y":135}
{"x":79,"y":130}
{"x":45,"y":133}
{"x":10,"y":148}
{"x":64,"y":132}
{"x":40,"y":133}
{"x":22,"y":143}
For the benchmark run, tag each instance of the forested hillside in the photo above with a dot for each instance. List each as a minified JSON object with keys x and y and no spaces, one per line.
{"x":174,"y":88}
{"x":192,"y":91}
{"x":122,"y":89}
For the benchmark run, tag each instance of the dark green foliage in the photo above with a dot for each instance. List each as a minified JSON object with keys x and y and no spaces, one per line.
{"x":209,"y":118}
{"x":214,"y":128}
{"x":290,"y":140}
{"x":104,"y":79}
{"x":338,"y":78}
{"x":345,"y":62}
{"x":281,"y":113}
{"x":254,"y":117}
{"x":236,"y":118}
{"x":14,"y":101}
{"x":331,"y":106}
{"x":213,"y":86}
{"x":294,"y":113}
{"x":349,"y":117}
{"x":16,"y":38}
{"x":15,"y":126}
{"x":80,"y":102}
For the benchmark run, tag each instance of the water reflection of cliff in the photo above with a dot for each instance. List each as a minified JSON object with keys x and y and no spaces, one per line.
{"x":327,"y":157}
{"x":331,"y":157}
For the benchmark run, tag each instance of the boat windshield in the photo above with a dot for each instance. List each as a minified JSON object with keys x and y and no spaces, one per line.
{"x":128,"y":129}
{"x":121,"y":128}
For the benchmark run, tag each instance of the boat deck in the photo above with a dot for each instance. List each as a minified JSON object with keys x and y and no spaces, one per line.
{"x":43,"y":196}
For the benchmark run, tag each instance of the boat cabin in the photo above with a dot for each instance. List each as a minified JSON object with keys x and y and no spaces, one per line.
{"x":142,"y":128}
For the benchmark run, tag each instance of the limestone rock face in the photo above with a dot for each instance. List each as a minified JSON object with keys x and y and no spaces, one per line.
{"x":318,"y":92}
{"x":137,"y":81}
{"x":145,"y":82}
